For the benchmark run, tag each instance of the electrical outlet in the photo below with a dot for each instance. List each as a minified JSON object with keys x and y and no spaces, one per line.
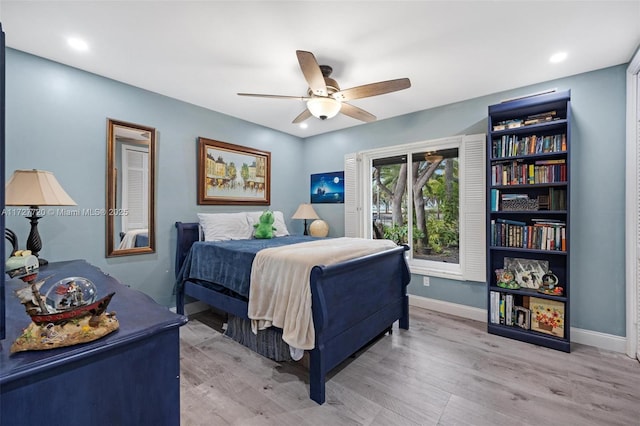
{"x":425,"y":281}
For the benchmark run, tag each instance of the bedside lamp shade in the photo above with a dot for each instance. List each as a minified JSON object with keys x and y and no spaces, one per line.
{"x":305,"y":211}
{"x":35,"y":188}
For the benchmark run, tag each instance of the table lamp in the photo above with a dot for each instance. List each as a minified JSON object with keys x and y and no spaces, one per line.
{"x":35,"y":188}
{"x":305,"y":211}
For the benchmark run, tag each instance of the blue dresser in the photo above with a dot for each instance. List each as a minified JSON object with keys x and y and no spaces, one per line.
{"x":129,"y":377}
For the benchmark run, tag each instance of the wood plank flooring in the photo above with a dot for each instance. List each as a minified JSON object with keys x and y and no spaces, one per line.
{"x":445,"y":370}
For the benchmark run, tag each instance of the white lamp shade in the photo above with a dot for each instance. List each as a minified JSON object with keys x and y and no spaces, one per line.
{"x":323,"y":108}
{"x":305,"y":211}
{"x":35,"y":188}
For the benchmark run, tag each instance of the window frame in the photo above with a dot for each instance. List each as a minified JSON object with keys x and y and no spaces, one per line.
{"x":363,"y":225}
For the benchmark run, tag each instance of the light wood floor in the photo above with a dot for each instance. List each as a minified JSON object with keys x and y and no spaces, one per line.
{"x":443,"y":371}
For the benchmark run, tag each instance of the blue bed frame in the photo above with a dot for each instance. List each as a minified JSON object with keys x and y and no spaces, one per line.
{"x":352,"y":303}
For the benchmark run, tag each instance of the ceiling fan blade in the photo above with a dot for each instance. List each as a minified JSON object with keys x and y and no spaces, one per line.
{"x":303,"y":116}
{"x":312,"y":73}
{"x":258,"y":95}
{"x":357,"y":113}
{"x":372,"y":89}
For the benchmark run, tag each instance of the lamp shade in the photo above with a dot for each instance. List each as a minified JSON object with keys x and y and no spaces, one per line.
{"x":305,"y":211}
{"x":323,"y":108}
{"x":35,"y":188}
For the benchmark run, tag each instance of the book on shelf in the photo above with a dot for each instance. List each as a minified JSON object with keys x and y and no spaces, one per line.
{"x":495,"y":307}
{"x":495,"y":200}
{"x":514,"y":197}
{"x":539,"y":118}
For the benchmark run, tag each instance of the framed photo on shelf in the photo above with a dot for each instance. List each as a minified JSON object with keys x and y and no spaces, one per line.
{"x":522,"y":317}
{"x":233,"y":174}
{"x":547,"y":316}
{"x":528,"y":272}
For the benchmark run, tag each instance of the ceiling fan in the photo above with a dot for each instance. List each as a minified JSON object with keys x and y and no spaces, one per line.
{"x":325,"y":99}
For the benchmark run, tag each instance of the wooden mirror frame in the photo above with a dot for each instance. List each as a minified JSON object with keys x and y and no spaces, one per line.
{"x":113,"y":211}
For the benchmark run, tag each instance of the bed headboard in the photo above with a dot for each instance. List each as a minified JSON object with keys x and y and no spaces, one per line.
{"x":188,"y":233}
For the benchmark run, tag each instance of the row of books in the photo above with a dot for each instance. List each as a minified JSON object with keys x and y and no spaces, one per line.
{"x":543,"y":234}
{"x":504,"y":311}
{"x":557,"y":199}
{"x":521,"y":173}
{"x":513,"y":145}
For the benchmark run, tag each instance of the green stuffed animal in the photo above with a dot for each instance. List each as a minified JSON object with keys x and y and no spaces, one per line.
{"x":264,"y":227}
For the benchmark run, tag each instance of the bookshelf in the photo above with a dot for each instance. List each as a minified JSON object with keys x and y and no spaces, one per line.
{"x":528,"y":175}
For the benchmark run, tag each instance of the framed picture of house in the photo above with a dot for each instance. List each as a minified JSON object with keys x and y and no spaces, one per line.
{"x":327,"y":187}
{"x":233,"y":174}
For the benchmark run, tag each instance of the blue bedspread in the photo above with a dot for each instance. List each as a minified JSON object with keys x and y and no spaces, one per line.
{"x":227,"y":264}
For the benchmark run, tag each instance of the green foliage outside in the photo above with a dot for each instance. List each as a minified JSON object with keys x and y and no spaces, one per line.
{"x":442,"y":227}
{"x":399,"y":233}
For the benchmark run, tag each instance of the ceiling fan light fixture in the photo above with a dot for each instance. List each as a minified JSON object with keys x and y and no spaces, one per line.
{"x":323,"y":108}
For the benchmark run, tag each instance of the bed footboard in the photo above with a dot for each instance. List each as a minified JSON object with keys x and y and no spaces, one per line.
{"x":353,"y":302}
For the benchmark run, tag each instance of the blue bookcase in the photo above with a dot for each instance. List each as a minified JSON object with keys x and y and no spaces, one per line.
{"x":528,"y":204}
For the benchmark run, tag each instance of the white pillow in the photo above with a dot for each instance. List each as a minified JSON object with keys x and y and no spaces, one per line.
{"x":281,"y":227}
{"x":225,"y":226}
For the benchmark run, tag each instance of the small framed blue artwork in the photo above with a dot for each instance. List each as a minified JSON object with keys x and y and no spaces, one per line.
{"x":327,"y":187}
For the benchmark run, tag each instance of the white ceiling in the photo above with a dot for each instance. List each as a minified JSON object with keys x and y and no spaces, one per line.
{"x":205,"y":52}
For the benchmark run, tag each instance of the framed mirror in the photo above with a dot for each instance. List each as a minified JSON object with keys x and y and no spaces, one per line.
{"x":130,"y":211}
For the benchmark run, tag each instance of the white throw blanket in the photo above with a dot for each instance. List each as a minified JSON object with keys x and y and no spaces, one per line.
{"x":280,"y":293}
{"x":129,"y":239}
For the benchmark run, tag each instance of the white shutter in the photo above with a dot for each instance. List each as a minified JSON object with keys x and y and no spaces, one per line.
{"x":352,"y":218}
{"x":135,"y":188}
{"x":473,"y":258}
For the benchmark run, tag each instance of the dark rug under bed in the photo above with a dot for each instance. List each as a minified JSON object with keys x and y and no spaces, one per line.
{"x":267,"y":343}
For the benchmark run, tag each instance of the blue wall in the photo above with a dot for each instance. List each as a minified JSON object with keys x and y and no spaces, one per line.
{"x":56,"y":120}
{"x":597,"y":187}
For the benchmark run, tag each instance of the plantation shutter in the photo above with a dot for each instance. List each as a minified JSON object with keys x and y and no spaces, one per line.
{"x":473,"y":197}
{"x":352,"y":217}
{"x":135,"y":188}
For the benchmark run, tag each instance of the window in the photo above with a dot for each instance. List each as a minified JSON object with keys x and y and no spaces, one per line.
{"x":429,"y":195}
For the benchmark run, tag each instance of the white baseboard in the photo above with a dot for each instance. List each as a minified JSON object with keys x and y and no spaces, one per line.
{"x":599,"y":340}
{"x":585,"y":337}
{"x":193,"y":308}
{"x":455,"y":309}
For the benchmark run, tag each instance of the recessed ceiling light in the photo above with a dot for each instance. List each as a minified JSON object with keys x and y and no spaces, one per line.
{"x":558,"y":57}
{"x":78,"y":44}
{"x":303,"y":125}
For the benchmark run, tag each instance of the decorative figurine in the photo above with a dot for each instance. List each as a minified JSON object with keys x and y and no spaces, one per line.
{"x":506,"y":279}
{"x":550,"y":285}
{"x":67,"y":315}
